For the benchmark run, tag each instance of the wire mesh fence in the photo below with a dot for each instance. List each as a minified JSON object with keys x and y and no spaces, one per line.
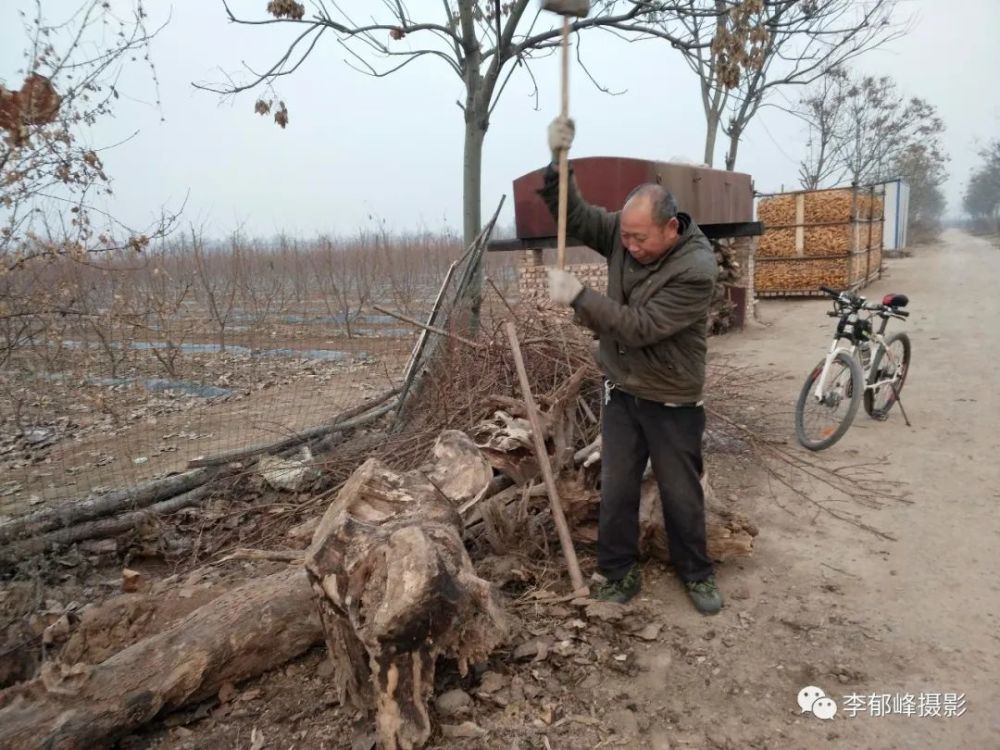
{"x":134,"y":368}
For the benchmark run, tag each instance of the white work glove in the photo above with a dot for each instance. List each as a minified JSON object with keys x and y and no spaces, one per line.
{"x":564,"y":287}
{"x":561,"y":132}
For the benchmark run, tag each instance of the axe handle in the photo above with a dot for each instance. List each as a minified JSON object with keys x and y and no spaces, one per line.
{"x":542,"y":456}
{"x":563,"y":154}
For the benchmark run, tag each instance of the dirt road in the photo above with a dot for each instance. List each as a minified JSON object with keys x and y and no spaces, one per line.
{"x":839,"y":608}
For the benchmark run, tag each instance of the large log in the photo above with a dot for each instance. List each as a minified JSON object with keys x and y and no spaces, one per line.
{"x":249,"y":630}
{"x":396,"y":589}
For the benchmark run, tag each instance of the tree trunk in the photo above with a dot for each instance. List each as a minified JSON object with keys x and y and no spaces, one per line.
{"x":396,"y":589}
{"x":711,"y":133}
{"x":105,"y":504}
{"x":250,"y":630}
{"x":734,"y":145}
{"x":475,"y":132}
{"x":712,"y":102}
{"x":472,"y":166}
{"x":100,"y":528}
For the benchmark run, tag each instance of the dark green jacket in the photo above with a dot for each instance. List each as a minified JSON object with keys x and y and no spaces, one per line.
{"x":653,"y":322}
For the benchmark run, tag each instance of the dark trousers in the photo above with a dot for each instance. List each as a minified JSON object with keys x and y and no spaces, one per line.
{"x":632,"y":431}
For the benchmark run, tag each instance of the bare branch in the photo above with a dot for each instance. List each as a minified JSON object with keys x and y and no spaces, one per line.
{"x":482,"y":41}
{"x":757,"y":50}
{"x":593,"y":80}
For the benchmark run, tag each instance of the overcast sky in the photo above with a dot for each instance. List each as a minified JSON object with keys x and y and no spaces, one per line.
{"x":391,"y":148}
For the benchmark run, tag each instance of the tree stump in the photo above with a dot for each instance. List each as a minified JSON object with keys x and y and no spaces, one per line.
{"x":396,"y":590}
{"x":727,"y":535}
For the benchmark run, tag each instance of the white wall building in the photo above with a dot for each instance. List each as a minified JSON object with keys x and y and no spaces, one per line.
{"x":897,"y":205}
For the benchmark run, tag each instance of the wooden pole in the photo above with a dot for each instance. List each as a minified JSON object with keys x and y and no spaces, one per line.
{"x":426,"y":327}
{"x":77,"y":511}
{"x":871,"y":219}
{"x":422,"y":339}
{"x":563,"y":154}
{"x":355,"y":417}
{"x":562,"y":528}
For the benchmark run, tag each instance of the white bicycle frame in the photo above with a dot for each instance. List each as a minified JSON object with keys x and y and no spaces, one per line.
{"x":878,"y":343}
{"x":830,"y":356}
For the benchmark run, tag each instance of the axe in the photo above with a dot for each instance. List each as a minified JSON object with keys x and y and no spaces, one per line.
{"x":576,"y":9}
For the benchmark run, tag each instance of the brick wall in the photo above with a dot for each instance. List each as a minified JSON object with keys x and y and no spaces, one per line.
{"x":533,"y":284}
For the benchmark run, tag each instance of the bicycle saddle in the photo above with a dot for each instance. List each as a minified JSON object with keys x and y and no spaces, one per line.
{"x":895,"y":300}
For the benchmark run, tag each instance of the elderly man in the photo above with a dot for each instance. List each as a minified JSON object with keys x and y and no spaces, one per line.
{"x":652,"y":326}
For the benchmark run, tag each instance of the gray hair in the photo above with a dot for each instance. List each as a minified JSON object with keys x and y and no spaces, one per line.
{"x":662,"y":204}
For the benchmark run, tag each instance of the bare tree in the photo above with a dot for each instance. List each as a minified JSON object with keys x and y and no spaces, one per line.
{"x":49,"y":175}
{"x":263,"y":291}
{"x":744,"y":51}
{"x":218,"y":285}
{"x":109,"y":320}
{"x":863,"y":131}
{"x":53,"y":180}
{"x":344,"y":278}
{"x":164,"y":296}
{"x":822,"y":110}
{"x":22,"y":320}
{"x":288,"y":256}
{"x":982,"y":195}
{"x":922,"y":166}
{"x":481,"y":41}
{"x":876,"y":125}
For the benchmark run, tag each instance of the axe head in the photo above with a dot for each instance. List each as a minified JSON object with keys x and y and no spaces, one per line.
{"x":578,"y":8}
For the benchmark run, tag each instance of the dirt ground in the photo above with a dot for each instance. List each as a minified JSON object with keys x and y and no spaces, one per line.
{"x":117,"y":435}
{"x":925,"y":605}
{"x":901,"y":609}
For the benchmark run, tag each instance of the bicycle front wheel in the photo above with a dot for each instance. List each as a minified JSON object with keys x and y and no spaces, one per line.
{"x":887,"y":376}
{"x":821,"y":422}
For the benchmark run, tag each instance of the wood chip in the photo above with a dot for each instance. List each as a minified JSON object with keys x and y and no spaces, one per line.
{"x":132,"y":580}
{"x":651,"y":632}
{"x":227,"y":692}
{"x":606,"y":611}
{"x":463,"y":730}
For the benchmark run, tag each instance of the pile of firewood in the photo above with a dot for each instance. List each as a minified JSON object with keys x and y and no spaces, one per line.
{"x":721,"y":316}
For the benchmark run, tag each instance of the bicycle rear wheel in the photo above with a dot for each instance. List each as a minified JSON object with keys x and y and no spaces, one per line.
{"x":889,"y":367}
{"x":819,"y":423}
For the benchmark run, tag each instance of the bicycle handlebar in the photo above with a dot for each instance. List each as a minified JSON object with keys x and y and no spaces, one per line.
{"x":847,"y":298}
{"x":878,"y":307}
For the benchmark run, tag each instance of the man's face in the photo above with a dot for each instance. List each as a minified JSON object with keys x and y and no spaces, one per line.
{"x":642,"y":237}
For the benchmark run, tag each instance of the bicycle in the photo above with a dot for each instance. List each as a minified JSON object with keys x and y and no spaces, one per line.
{"x":863,"y":364}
